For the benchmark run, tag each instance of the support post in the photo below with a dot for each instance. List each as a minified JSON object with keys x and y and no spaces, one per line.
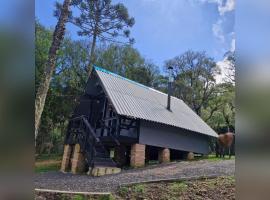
{"x":137,"y":155}
{"x":66,"y":158}
{"x":190,"y":156}
{"x":78,"y":160}
{"x":164,"y":155}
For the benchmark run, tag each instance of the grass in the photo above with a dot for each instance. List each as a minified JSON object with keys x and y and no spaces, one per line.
{"x":123,"y":190}
{"x":217,"y":188}
{"x":66,"y":196}
{"x":78,"y":197}
{"x":139,"y":188}
{"x":212,"y":157}
{"x":46,"y":163}
{"x":106,"y":197}
{"x":178,"y":186}
{"x":47,"y":168}
{"x":44,"y":157}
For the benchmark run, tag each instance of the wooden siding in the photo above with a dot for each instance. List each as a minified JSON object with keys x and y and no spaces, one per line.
{"x":171,"y":137}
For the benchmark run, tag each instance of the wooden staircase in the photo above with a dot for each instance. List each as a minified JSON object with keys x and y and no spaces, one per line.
{"x":96,"y":156}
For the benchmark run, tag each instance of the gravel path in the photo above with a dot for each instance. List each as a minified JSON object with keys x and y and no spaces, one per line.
{"x":108,"y":183}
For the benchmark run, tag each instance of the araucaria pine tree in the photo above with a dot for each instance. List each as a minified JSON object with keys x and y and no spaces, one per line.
{"x":100,"y":19}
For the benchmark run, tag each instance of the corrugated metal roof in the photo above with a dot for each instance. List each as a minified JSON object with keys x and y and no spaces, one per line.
{"x":135,"y":100}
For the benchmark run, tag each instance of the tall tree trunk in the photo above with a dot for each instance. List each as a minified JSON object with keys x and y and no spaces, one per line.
{"x":43,"y":88}
{"x":92,"y":54}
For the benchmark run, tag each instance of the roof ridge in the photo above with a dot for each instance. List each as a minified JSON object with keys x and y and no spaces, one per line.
{"x":117,"y":75}
{"x":131,"y":81}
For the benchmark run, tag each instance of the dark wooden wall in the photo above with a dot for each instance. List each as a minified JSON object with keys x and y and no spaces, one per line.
{"x":171,"y":137}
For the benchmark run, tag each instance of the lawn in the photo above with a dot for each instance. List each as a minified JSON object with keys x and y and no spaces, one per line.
{"x":46,"y":163}
{"x":212,"y":157}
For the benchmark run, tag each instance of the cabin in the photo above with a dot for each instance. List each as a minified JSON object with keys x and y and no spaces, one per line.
{"x":119,"y":122}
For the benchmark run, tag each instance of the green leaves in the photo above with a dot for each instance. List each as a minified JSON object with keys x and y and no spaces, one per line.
{"x":101,"y":19}
{"x":195,"y":84}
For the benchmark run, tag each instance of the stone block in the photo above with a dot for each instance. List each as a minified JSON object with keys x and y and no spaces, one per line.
{"x":66,"y":158}
{"x":190,"y":156}
{"x":137,"y":155}
{"x":164,"y":155}
{"x":78,"y":161}
{"x":101,"y":171}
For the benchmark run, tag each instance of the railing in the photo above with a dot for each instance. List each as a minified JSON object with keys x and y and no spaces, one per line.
{"x":81,"y":132}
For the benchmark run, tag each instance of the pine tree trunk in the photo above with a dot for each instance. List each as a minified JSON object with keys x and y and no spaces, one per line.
{"x":43,"y":88}
{"x":92,"y":54}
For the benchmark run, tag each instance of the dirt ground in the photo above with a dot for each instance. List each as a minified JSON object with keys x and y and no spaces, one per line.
{"x":183,"y":170}
{"x":217,"y":189}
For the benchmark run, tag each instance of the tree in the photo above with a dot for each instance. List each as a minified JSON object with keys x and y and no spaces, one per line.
{"x":99,"y":19}
{"x":194,"y":78}
{"x":127,"y":61}
{"x":43,"y":38}
{"x":43,"y":87}
{"x":230,"y":72}
{"x":220,"y":112}
{"x":67,"y":84}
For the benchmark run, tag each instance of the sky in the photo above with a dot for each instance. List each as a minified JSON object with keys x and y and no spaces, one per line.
{"x":164,"y":29}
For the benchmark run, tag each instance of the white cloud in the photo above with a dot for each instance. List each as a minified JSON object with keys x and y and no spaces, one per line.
{"x":227,"y":7}
{"x":232,"y":45}
{"x":218,"y":31}
{"x":224,"y":66}
{"x":227,"y":40}
{"x":224,"y":6}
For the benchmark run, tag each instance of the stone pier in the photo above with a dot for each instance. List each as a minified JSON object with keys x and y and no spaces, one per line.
{"x":78,"y":160}
{"x":164,"y":155}
{"x":137,"y":155}
{"x":65,"y":165}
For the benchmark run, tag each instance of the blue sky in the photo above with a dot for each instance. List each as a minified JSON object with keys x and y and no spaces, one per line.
{"x":165,"y":29}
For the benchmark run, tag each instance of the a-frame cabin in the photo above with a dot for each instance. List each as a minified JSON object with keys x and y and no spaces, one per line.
{"x":121,"y":122}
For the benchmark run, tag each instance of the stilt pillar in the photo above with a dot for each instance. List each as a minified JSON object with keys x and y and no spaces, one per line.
{"x":66,"y":158}
{"x":78,"y":160}
{"x":137,"y":155}
{"x":190,"y":156}
{"x":164,"y":155}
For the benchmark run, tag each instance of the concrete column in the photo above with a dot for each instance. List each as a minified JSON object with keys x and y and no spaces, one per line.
{"x":120,"y":155}
{"x":164,"y":155}
{"x":66,"y":158}
{"x":190,"y":156}
{"x":137,"y":155}
{"x":78,"y":160}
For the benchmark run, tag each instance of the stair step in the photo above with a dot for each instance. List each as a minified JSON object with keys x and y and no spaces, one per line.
{"x":101,"y":171}
{"x":104,"y":162}
{"x":94,"y":149}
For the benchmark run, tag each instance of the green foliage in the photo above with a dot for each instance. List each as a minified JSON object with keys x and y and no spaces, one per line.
{"x":139,"y":188}
{"x":47,"y":168}
{"x":194,"y":78}
{"x":123,"y":190}
{"x":43,"y":39}
{"x":178,"y":186}
{"x":106,"y":197}
{"x":78,"y":197}
{"x":101,"y":19}
{"x":212,"y":157}
{"x":44,"y":157}
{"x":127,"y":61}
